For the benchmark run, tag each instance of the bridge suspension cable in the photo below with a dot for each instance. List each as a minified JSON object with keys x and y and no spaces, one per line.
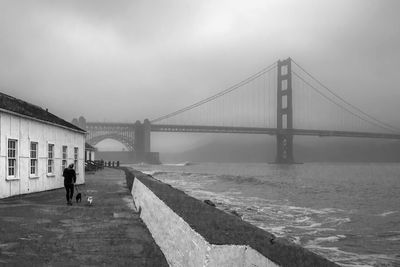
{"x":351,"y":108}
{"x":315,"y":106}
{"x":219,"y":94}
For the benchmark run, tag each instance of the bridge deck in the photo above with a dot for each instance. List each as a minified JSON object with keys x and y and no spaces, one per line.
{"x":269,"y":131}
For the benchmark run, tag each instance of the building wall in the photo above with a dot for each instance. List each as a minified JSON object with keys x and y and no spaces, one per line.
{"x":89,"y":155}
{"x":25,"y":130}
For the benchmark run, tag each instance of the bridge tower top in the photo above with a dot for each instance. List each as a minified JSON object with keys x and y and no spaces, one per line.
{"x":284,"y":142}
{"x":80,"y":122}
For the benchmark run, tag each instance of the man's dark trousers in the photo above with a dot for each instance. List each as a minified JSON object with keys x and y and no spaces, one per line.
{"x":69,"y":188}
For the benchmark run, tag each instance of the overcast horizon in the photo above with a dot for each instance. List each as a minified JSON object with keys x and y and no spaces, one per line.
{"x":144,"y":59}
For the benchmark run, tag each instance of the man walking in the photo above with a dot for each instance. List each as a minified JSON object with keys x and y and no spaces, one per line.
{"x":69,"y":181}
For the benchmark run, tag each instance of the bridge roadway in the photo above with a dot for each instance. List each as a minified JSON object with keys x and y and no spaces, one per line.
{"x":269,"y":131}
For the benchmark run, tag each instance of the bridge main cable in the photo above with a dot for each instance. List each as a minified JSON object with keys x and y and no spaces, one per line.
{"x":372,"y":120}
{"x":219,"y":94}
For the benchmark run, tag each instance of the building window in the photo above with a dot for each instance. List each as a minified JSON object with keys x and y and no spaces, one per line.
{"x":34,"y":159}
{"x":64,"y":157}
{"x":12,"y":157}
{"x":50,"y":158}
{"x":76,"y":159}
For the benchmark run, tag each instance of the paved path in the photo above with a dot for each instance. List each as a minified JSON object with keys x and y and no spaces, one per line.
{"x":41,"y":230}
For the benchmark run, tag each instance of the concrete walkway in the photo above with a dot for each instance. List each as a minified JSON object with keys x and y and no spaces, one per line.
{"x":41,"y":230}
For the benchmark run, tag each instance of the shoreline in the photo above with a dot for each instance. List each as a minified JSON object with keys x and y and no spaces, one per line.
{"x":215,"y":226}
{"x":330,"y":227}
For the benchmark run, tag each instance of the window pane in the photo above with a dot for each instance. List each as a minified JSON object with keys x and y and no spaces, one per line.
{"x":64,"y":150}
{"x":50,"y":166}
{"x":34,"y":150}
{"x":33,"y":166}
{"x":50,"y":150}
{"x":12,"y":154}
{"x":11,"y":167}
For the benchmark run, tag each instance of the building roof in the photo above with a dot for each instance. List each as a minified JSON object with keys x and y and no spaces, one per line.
{"x":24,"y":108}
{"x":89,"y":147}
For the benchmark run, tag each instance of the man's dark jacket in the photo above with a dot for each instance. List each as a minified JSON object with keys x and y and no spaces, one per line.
{"x":69,"y":176}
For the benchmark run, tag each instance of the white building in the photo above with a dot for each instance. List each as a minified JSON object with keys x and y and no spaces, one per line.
{"x":35,"y":147}
{"x":89,"y":152}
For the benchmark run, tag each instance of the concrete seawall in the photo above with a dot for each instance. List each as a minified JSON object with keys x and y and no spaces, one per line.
{"x":192,"y":233}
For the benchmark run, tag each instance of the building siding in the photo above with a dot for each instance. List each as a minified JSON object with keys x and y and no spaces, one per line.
{"x":25,"y":130}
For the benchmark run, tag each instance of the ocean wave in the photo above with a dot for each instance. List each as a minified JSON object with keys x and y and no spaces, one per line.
{"x":186,"y":163}
{"x":352,"y":259}
{"x":386,"y":213}
{"x":310,"y":227}
{"x":390,"y":235}
{"x":278,"y":230}
{"x":246,"y":180}
{"x":326,"y":239}
{"x":154,"y":172}
{"x":275,"y":217}
{"x":303,"y":219}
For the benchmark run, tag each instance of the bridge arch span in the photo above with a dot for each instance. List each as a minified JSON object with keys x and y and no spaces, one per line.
{"x":127,"y":142}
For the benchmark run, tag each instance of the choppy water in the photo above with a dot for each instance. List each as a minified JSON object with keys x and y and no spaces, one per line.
{"x":347,"y":212}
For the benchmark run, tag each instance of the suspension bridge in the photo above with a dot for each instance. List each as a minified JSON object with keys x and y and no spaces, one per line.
{"x":282,"y":99}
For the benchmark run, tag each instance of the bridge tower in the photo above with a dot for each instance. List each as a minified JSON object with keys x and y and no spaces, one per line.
{"x":142,"y":137}
{"x":284,"y":139}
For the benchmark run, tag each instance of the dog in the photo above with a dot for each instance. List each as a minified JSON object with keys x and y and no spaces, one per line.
{"x":89,"y":200}
{"x":78,"y":197}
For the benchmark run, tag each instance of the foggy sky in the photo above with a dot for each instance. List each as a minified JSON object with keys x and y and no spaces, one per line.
{"x":124,"y":61}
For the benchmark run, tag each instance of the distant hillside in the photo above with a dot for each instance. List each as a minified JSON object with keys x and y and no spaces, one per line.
{"x":306,"y":149}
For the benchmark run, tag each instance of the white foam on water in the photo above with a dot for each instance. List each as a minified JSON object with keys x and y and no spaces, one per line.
{"x":350,"y":259}
{"x":336,"y":221}
{"x":386,"y":213}
{"x":278,"y":230}
{"x":153,"y":172}
{"x":302,"y":219}
{"x":393,"y":238}
{"x":186,"y":163}
{"x":296,"y":240}
{"x":313,"y":225}
{"x":326,"y":239}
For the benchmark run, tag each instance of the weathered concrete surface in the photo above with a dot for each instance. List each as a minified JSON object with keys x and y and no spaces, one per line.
{"x":41,"y":230}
